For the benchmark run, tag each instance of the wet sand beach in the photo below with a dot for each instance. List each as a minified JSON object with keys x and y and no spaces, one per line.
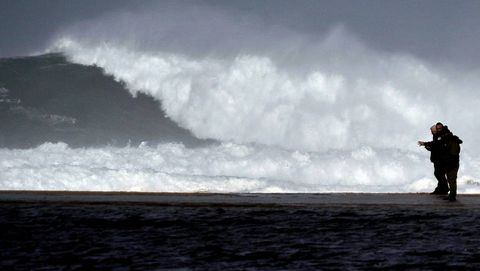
{"x":200,"y":231}
{"x":412,"y":200}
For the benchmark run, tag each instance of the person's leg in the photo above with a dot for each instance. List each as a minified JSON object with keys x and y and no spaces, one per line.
{"x":452,"y":182}
{"x":442,"y":186}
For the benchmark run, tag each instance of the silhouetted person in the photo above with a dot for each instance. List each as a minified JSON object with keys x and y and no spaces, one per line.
{"x":445,"y":156}
{"x":434,"y":147}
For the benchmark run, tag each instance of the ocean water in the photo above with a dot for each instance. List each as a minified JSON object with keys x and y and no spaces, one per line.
{"x":117,"y":106}
{"x":72,"y":127}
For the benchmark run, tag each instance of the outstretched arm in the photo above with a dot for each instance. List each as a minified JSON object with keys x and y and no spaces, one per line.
{"x":427,"y":145}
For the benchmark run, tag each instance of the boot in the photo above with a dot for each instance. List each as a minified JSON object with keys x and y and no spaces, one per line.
{"x":451,"y":197}
{"x":439,"y":191}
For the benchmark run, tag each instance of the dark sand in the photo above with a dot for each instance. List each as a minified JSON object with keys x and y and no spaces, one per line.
{"x":411,"y":200}
{"x":155,"y":231}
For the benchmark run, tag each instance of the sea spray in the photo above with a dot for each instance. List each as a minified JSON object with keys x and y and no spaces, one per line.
{"x":225,"y":167}
{"x":289,"y":111}
{"x":238,"y":78}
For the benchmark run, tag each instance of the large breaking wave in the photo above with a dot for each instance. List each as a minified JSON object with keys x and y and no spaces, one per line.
{"x":250,"y":99}
{"x":289,"y":112}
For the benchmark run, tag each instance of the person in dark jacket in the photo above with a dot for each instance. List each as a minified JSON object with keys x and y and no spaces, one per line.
{"x":434,"y":147}
{"x":445,"y":156}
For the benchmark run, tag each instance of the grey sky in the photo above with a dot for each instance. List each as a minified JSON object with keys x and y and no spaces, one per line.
{"x":438,"y":31}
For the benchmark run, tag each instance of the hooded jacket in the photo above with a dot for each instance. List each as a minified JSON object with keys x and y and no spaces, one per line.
{"x":444,"y":148}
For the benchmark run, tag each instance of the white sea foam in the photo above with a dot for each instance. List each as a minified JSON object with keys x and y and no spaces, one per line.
{"x":336,"y":115}
{"x":273,"y":85}
{"x":251,"y":99}
{"x":226,"y":167}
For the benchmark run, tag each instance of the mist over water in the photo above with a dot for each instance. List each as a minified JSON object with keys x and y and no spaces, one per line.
{"x":290,"y":111}
{"x":228,"y":79}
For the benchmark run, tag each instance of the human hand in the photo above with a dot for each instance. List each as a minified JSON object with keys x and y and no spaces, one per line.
{"x":421,"y":143}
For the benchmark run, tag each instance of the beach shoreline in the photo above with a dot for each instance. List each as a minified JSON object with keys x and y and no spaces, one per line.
{"x":202,"y":199}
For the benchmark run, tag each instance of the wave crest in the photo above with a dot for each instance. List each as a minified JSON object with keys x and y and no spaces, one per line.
{"x":251,"y":99}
